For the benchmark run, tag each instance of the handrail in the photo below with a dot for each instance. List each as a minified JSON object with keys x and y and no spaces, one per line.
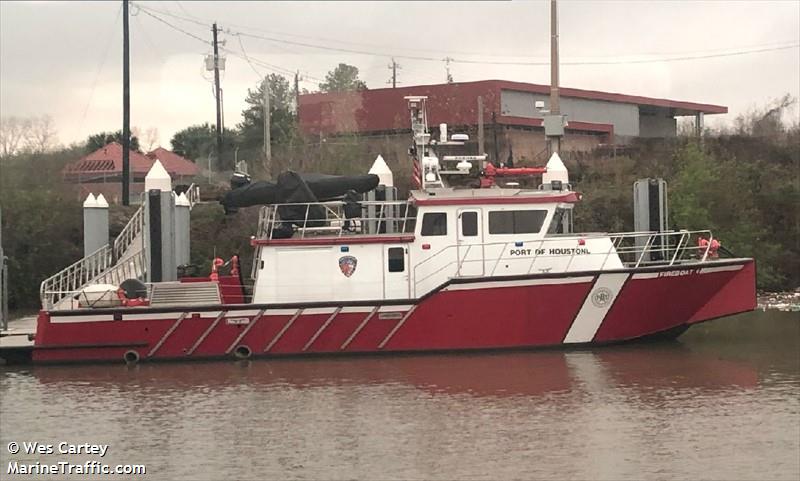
{"x":636,"y":253}
{"x":133,"y":267}
{"x":391,"y":216}
{"x":53,"y":289}
{"x":129,"y":233}
{"x":70,"y":281}
{"x":193,"y":195}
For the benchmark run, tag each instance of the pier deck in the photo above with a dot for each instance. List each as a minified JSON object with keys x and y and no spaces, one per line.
{"x":16,"y":343}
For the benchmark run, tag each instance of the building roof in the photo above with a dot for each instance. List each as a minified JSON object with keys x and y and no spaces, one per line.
{"x":174,"y":163}
{"x":385,"y":109}
{"x":107,"y":162}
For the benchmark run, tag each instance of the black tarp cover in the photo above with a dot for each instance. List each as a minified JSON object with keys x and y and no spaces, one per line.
{"x":292,"y":187}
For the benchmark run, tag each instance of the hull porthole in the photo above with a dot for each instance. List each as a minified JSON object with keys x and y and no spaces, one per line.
{"x":242,"y":352}
{"x":131,"y":357}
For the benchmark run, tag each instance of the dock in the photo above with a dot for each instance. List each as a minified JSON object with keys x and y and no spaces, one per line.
{"x":16,"y":342}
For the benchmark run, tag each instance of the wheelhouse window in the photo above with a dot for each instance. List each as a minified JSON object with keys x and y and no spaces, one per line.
{"x":434,"y":223}
{"x":397,"y":259}
{"x":516,"y":221}
{"x":469,"y":224}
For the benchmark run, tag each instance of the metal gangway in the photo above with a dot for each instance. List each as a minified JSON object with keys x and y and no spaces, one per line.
{"x":123,"y":259}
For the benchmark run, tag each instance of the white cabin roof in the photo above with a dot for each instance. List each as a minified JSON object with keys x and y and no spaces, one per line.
{"x":449,"y":196}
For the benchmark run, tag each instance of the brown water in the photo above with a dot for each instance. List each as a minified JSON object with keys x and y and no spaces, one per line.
{"x":722,"y":403}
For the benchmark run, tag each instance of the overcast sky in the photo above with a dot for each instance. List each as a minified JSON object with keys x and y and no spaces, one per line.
{"x":64,"y":59}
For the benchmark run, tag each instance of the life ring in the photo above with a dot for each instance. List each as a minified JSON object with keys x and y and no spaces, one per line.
{"x":215,"y":265}
{"x":127,"y":302}
{"x":708,"y":248}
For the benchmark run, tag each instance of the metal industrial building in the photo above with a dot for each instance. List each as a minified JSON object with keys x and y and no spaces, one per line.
{"x":513,"y":125}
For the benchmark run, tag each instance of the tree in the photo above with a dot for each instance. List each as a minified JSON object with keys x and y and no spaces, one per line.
{"x":26,"y":134}
{"x":343,"y":78}
{"x":282,"y":119}
{"x":13,"y":131}
{"x":197,"y":142}
{"x":41,"y":135}
{"x":150,"y":138}
{"x":100,"y":140}
{"x":767,"y":121}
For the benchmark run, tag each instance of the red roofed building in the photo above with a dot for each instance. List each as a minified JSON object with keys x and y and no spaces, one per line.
{"x":177,"y":166}
{"x":101,"y":171}
{"x":509,"y":114}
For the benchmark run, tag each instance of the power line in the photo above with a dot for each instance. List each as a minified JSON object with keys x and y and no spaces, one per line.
{"x":697,"y":56}
{"x":448,"y":59}
{"x":518,"y":63}
{"x":146,"y":37}
{"x":239,"y":38}
{"x":674,"y":56}
{"x":250,"y":60}
{"x":146,"y":12}
{"x":99,"y":69}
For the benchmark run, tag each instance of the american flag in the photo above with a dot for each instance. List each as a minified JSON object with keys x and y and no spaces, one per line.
{"x":417,"y":175}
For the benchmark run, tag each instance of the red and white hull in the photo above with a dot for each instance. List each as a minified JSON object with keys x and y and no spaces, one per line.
{"x":464,"y":314}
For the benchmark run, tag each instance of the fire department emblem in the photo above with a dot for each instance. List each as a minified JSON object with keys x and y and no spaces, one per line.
{"x":347,"y":264}
{"x":602,"y":297}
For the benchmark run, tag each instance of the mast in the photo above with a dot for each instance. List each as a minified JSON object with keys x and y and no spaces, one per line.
{"x":554,"y":121}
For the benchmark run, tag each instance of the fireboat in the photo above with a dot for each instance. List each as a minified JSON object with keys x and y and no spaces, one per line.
{"x":479,"y":257}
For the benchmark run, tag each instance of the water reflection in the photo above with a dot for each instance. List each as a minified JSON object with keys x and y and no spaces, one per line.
{"x":721,"y":404}
{"x":645,"y":367}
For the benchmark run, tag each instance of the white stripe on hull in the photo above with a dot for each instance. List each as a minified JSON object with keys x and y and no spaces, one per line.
{"x":647,"y":275}
{"x":319,"y":310}
{"x":516,"y":283}
{"x":595,"y":308}
{"x":709,"y":270}
{"x":401,"y":308}
{"x":352,"y":309}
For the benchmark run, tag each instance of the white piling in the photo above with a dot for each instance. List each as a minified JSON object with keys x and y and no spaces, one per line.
{"x":384,"y":192}
{"x":159,"y":229}
{"x":556,"y":170}
{"x":382,"y":170}
{"x":95,"y":223}
{"x":182,"y":230}
{"x":157,"y":178}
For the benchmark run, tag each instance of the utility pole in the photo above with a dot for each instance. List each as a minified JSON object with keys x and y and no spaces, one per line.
{"x":481,"y":144}
{"x":494,"y":134}
{"x":393,"y":67}
{"x":447,"y":61}
{"x":126,"y":107}
{"x":554,"y":122}
{"x":267,"y":122}
{"x":3,"y":282}
{"x":217,"y":97}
